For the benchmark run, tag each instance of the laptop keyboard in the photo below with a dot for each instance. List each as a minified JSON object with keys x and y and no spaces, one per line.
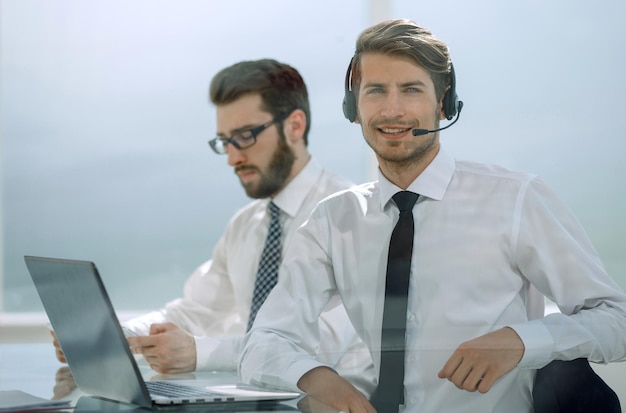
{"x":169,"y":389}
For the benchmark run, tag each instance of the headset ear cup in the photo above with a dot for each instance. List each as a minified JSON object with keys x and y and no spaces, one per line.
{"x":450,"y":99}
{"x":450,"y":104}
{"x":349,"y":101}
{"x":349,"y":106}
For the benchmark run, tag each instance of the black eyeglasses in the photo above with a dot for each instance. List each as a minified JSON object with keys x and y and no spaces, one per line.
{"x":243,"y":139}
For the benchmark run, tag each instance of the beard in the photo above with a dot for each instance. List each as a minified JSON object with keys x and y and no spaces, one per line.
{"x":275,"y":176}
{"x":408,"y":156}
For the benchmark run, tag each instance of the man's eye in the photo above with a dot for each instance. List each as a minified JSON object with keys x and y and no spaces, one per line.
{"x":413,"y":90}
{"x":244,"y":137}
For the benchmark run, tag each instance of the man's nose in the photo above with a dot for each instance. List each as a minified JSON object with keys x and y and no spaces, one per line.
{"x":235,"y":156}
{"x":393,"y":105}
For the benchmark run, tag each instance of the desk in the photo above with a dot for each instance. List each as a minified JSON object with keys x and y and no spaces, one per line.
{"x":34,"y":369}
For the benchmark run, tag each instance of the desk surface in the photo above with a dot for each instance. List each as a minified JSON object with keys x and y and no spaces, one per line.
{"x":34,"y":369}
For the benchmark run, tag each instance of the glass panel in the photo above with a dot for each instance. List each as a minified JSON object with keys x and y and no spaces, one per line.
{"x":543,"y":86}
{"x":105,"y":123}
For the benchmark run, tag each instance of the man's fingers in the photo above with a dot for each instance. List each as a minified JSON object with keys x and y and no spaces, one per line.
{"x":460,"y":375}
{"x":473,"y":380}
{"x":478,"y":363}
{"x":168,"y":349}
{"x":158,"y":328}
{"x":57,"y":348}
{"x":463,"y":374}
{"x":486,"y":382}
{"x":450,"y":367}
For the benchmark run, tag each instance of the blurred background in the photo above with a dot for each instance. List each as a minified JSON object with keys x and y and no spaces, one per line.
{"x":105,"y":119}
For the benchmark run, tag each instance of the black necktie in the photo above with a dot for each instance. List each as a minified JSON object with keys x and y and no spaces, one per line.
{"x":267,"y":274}
{"x":390,"y":392}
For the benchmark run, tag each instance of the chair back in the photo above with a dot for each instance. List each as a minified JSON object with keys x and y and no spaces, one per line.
{"x":572,"y":387}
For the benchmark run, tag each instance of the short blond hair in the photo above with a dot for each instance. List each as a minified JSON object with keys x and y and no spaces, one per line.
{"x":403,"y":37}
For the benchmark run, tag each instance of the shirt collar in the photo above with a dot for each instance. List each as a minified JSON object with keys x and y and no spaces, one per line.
{"x":431,"y":183}
{"x":292,"y":196}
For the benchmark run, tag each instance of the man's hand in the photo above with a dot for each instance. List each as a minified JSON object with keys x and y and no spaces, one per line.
{"x":168,"y":349}
{"x":64,"y":383}
{"x":57,"y":348}
{"x":329,"y":388}
{"x":478,"y":363}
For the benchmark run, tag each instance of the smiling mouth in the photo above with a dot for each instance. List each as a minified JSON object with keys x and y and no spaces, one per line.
{"x":394,"y":131}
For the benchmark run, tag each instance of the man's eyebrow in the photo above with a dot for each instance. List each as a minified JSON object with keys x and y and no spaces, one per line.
{"x":237,"y":130}
{"x":374,"y":84}
{"x":403,"y":85}
{"x":413,"y":83}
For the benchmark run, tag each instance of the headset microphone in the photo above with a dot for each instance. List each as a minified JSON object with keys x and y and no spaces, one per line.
{"x":419,"y":132}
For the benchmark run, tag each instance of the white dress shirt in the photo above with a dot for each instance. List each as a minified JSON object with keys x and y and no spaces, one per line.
{"x":217,"y":297}
{"x":484,"y":238}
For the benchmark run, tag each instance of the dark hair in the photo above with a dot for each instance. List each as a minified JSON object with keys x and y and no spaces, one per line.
{"x":403,"y":37}
{"x":281,"y":87}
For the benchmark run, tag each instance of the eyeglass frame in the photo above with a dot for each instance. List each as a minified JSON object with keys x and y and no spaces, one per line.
{"x":235,"y":138}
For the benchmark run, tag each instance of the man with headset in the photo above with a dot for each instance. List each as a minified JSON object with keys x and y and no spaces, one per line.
{"x":263,"y":121}
{"x":438,"y":263}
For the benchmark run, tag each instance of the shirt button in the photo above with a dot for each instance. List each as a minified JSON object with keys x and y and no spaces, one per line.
{"x":413,"y":400}
{"x":411,"y":359}
{"x":411,"y":317}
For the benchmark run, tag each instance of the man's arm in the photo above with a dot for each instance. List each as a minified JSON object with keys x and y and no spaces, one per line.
{"x":477,"y":364}
{"x":206,"y":310}
{"x":326,"y":386}
{"x":284,"y":343}
{"x":554,"y":253}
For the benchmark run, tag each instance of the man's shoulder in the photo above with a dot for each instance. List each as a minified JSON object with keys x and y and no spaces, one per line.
{"x":361,"y":192}
{"x":492,"y":171}
{"x":349,"y":203}
{"x":331,"y":182}
{"x":495,"y":181}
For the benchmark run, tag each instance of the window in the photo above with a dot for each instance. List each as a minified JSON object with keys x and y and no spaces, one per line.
{"x":105,"y":118}
{"x":105,"y":122}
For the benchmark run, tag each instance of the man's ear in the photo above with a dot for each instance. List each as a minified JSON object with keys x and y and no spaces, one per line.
{"x":357,"y":117}
{"x":295,"y":125}
{"x":442,"y":110}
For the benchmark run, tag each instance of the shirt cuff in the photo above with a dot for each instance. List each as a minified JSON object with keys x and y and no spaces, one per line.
{"x":141,"y":325}
{"x":538,"y":344}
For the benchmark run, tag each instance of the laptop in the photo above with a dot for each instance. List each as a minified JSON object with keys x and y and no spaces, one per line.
{"x":94,"y":344}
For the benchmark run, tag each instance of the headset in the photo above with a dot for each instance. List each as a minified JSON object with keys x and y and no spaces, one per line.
{"x":451,"y":103}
